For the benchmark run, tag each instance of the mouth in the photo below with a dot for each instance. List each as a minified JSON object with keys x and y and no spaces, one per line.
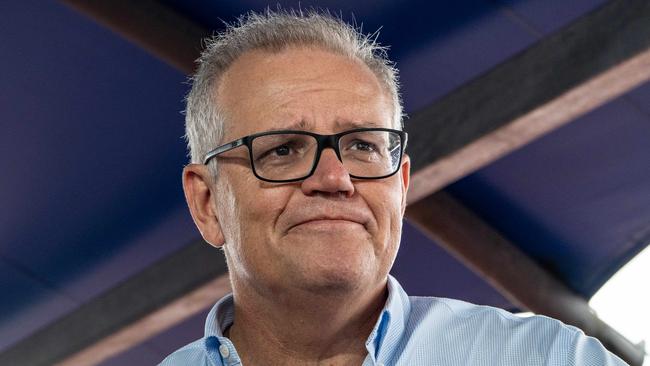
{"x":328,"y":224}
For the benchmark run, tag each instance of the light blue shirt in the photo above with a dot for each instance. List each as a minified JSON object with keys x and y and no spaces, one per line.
{"x":413,"y":331}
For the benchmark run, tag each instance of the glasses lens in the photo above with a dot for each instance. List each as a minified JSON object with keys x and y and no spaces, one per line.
{"x":370,"y":154}
{"x":283,"y":156}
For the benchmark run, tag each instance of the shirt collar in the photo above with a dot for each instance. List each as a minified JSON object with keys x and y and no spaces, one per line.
{"x":221,"y":316}
{"x":391,"y":324}
{"x":219,"y":349}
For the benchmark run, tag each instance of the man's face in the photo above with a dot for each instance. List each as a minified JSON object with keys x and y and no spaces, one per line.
{"x":328,"y":232}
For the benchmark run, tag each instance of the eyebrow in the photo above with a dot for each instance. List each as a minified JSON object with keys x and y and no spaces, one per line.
{"x":300,"y":125}
{"x":339,"y":124}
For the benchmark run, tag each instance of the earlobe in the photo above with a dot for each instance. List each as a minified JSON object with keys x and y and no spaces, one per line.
{"x":198,"y":188}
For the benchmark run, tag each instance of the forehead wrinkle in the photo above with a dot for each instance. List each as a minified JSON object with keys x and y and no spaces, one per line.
{"x":340,"y":124}
{"x":288,"y":88}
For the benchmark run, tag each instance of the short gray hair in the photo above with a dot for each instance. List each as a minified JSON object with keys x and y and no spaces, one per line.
{"x":274,"y":31}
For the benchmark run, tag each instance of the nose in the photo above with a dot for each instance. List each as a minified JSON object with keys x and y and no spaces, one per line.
{"x":330,"y":177}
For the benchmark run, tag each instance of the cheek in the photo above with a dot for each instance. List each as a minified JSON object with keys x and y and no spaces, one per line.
{"x":227,"y":212}
{"x":391,"y":204}
{"x":248,"y":213}
{"x":394,"y":234}
{"x":255,"y":209}
{"x":260,"y":207}
{"x":394,"y":226}
{"x":386,"y":204}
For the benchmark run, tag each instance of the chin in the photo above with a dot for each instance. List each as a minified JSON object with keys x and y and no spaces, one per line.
{"x":336,"y":279}
{"x":332,"y":265}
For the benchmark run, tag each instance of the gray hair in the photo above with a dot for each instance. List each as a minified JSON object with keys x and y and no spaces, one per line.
{"x":274,"y":32}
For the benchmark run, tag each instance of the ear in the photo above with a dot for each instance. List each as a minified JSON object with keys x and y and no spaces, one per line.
{"x":405,"y":173}
{"x":198,"y":188}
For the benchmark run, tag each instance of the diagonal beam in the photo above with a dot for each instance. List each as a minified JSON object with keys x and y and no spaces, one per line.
{"x":595,"y":59}
{"x":152,"y":26}
{"x":155,"y":299}
{"x":513,"y":273}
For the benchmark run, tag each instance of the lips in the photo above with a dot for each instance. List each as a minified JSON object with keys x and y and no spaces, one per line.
{"x":328,"y":220}
{"x":349,"y":215}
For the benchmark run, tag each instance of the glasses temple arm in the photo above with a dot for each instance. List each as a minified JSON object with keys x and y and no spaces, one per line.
{"x":222,"y":149}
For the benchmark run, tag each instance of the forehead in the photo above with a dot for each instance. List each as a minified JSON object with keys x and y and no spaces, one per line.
{"x":313,"y":88}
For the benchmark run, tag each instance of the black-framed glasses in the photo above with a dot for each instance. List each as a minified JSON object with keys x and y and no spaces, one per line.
{"x":287,"y":156}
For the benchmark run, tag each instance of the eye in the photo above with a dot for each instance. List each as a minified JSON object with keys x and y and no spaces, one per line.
{"x":363,"y":146}
{"x":278,"y":151}
{"x":283,"y":150}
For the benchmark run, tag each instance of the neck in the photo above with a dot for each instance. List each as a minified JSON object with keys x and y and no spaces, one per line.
{"x":305,"y":328}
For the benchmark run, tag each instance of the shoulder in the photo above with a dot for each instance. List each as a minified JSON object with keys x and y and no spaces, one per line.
{"x":486,"y":324}
{"x":191,"y":354}
{"x":469,"y":332}
{"x":453,"y":313}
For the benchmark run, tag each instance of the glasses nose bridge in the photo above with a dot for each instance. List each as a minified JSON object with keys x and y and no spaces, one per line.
{"x":328,"y":141}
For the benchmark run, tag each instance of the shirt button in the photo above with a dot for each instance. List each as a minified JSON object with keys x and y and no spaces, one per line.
{"x":225,"y":352}
{"x":380,"y":364}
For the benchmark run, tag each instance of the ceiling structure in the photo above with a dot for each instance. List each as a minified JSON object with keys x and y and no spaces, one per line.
{"x":529,"y":122}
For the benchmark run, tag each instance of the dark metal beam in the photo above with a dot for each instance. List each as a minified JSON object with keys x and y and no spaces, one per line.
{"x":512,"y":272}
{"x":595,"y":59}
{"x":151,"y":25}
{"x":155,"y":299}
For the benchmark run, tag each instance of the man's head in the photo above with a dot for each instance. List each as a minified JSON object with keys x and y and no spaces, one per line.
{"x":328,"y":231}
{"x":205,"y":119}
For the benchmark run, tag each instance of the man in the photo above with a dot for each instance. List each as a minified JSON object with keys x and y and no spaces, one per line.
{"x":298,"y":173}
